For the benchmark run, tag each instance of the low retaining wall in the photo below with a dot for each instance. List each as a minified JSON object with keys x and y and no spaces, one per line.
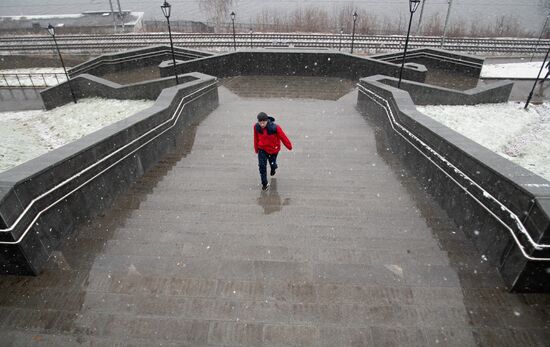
{"x":43,"y":200}
{"x":425,"y":94}
{"x":88,"y":86}
{"x":439,"y":59}
{"x":292,"y":62}
{"x":132,"y":59}
{"x":503,"y":208}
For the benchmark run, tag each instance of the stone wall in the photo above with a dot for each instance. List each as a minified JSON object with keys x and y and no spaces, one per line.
{"x":133,"y":58}
{"x":292,"y":62}
{"x":88,"y":86}
{"x":434,"y":58}
{"x":43,"y":200}
{"x":425,"y":94}
{"x":502,"y":207}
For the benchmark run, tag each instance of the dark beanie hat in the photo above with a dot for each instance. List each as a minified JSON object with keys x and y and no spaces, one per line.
{"x":262,"y":116}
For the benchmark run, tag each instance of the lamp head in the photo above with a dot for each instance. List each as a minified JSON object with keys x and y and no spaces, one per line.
{"x":413,"y":5}
{"x":355,"y":15}
{"x":166,"y":7}
{"x":51,"y":29}
{"x":232,"y":15}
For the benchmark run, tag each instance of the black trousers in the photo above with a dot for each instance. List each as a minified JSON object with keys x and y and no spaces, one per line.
{"x":263,"y":158}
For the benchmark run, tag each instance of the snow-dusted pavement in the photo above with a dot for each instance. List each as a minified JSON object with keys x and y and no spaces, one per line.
{"x":523,"y":70}
{"x":507,"y":129}
{"x":29,"y":134}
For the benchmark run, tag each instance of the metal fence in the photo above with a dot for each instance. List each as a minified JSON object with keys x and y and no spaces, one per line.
{"x":31,"y":80}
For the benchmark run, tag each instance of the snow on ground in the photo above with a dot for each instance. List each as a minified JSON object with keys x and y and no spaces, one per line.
{"x":37,"y":77}
{"x":522,"y":136}
{"x":513,"y":70}
{"x":29,"y":134}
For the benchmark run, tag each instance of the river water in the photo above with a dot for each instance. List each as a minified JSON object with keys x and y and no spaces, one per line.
{"x":530,"y":14}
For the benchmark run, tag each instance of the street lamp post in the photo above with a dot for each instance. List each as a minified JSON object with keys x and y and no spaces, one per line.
{"x":540,"y":37}
{"x":413,"y":5}
{"x":51,"y":31}
{"x":234,"y":39}
{"x":250,"y":37}
{"x":341,"y":34}
{"x":113,"y":14}
{"x":446,"y":22}
{"x":536,"y":80}
{"x":353,"y":33}
{"x":166,"y":7}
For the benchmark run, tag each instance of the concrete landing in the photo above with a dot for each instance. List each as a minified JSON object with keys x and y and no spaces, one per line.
{"x":344,"y":250}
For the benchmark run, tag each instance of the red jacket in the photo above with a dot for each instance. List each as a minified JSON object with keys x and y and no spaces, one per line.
{"x":270,"y":138}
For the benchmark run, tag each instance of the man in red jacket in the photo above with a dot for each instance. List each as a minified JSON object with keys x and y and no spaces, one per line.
{"x":267,"y":144}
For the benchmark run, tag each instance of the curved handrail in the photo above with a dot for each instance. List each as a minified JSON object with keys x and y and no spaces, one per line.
{"x":31,"y":79}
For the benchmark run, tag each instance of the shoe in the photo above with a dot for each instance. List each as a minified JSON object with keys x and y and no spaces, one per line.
{"x":272,"y":173}
{"x":265,"y":187}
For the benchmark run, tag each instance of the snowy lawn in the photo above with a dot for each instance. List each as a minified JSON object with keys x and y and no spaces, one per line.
{"x":507,"y":129}
{"x":513,"y":70}
{"x":29,"y":134}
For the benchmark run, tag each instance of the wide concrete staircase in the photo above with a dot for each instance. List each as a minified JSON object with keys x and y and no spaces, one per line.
{"x":343,"y":250}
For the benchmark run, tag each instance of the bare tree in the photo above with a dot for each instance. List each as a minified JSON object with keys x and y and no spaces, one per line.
{"x":476,"y":26}
{"x":217,"y":10}
{"x":343,"y":16}
{"x":368,"y":24}
{"x":317,"y":19}
{"x":433,"y":26}
{"x":265,"y":19}
{"x":457,"y":29}
{"x":509,"y":26}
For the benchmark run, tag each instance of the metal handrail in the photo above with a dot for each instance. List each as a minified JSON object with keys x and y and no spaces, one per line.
{"x":31,"y":80}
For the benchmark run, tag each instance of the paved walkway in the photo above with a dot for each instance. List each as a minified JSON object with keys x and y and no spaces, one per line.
{"x":344,"y":250}
{"x":20,"y":99}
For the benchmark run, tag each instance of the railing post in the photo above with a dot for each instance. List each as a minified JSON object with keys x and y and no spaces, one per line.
{"x":32,"y":82}
{"x":536,"y":80}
